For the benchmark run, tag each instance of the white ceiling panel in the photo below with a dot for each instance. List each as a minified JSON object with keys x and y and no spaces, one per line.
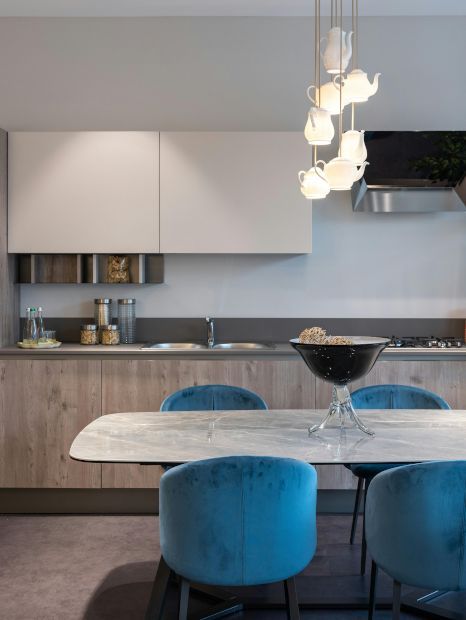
{"x":226,"y":8}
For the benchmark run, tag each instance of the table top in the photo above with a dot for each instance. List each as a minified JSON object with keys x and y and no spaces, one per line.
{"x":401,"y":435}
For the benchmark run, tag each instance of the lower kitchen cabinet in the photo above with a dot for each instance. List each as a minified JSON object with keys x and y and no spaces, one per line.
{"x":45,"y":403}
{"x":43,"y":406}
{"x":141,"y":385}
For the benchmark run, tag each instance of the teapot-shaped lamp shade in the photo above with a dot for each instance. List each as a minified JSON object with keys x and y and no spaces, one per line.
{"x":353,"y":146}
{"x":319,"y":128}
{"x":357,"y":87}
{"x":333,"y":61}
{"x":314,"y":184}
{"x":341,"y":173}
{"x":329,"y":98}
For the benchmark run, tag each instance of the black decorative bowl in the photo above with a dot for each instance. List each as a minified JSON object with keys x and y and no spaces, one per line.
{"x":341,"y":364}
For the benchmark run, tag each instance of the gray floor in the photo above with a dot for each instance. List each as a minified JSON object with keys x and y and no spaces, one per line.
{"x":102,"y":567}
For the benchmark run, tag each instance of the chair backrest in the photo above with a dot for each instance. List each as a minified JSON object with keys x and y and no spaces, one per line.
{"x":239,"y":520}
{"x":416,"y":526}
{"x":396,"y":397}
{"x":212,"y":398}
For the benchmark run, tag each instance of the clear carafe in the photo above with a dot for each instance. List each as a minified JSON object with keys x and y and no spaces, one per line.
{"x":40,"y":326}
{"x":30,"y":331}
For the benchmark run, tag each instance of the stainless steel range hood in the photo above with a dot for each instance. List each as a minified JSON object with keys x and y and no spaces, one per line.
{"x":413,"y":172}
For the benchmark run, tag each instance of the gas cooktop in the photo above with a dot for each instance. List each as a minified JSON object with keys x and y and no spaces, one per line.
{"x":426,"y":342}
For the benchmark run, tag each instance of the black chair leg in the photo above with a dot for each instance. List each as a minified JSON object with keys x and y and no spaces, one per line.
{"x":183,"y":600}
{"x":363,"y":543}
{"x":357,"y":508}
{"x":291,"y":597}
{"x":373,"y":590}
{"x":154,"y":610}
{"x":396,"y":600}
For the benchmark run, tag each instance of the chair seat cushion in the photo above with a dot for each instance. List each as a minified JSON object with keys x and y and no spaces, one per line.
{"x":369,"y":470}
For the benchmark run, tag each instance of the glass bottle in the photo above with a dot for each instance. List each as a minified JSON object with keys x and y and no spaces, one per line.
{"x":40,"y":325}
{"x":30,"y":332}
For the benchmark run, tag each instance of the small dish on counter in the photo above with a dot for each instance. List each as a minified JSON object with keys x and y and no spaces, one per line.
{"x":39,"y":345}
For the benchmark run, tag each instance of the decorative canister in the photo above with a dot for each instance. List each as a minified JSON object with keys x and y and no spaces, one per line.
{"x":109,"y":334}
{"x":102,"y":311}
{"x":89,"y":334}
{"x":127,"y":320}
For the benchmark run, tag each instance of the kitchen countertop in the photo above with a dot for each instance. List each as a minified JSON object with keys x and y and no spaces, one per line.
{"x":281,"y":350}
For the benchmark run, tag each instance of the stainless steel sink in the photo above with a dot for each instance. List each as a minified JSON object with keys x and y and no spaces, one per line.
{"x":174,"y":346}
{"x":193,"y":346}
{"x":243,"y":345}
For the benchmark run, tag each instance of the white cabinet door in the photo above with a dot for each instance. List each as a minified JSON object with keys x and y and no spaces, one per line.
{"x":233,"y":192}
{"x":83,"y":192}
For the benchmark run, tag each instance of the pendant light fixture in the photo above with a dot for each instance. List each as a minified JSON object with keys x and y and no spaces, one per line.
{"x":352,"y":142}
{"x":319,"y":130}
{"x":342,"y":172}
{"x":357,"y":86}
{"x":329,"y":99}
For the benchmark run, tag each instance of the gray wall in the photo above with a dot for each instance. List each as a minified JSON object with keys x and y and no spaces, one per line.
{"x":251,"y":74}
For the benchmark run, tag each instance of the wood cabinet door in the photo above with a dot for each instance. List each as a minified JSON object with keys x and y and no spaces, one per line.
{"x":43,"y":406}
{"x":141,"y":385}
{"x":446,"y":378}
{"x":233,"y":193}
{"x":83,"y":192}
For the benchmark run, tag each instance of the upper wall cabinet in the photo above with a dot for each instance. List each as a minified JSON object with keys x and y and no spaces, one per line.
{"x":83,"y":192}
{"x":233,"y":192}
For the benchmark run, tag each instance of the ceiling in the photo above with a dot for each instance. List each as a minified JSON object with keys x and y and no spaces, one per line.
{"x":232,"y":8}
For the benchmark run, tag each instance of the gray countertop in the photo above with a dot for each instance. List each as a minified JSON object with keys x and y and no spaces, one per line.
{"x":280,"y":350}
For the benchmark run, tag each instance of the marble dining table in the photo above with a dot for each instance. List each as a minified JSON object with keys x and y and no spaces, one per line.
{"x":170,"y":438}
{"x":401,"y":435}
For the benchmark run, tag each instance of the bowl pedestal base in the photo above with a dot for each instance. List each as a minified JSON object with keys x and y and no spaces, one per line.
{"x":341,"y":413}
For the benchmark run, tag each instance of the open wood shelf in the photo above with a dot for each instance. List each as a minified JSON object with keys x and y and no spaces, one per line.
{"x":86,"y":268}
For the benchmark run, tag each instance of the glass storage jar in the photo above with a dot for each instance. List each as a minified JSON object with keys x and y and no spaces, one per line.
{"x":109,"y":334}
{"x":89,"y":334}
{"x":127,"y":320}
{"x":102,"y":311}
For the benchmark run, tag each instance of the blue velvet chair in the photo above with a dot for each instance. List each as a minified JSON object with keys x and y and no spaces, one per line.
{"x":385,"y":397}
{"x":238,"y":521}
{"x":416,"y":527}
{"x":212,"y":398}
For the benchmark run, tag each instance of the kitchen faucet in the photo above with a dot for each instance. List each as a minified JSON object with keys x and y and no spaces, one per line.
{"x":210,"y":332}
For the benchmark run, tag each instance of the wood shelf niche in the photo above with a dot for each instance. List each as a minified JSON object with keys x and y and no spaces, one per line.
{"x":85,"y":268}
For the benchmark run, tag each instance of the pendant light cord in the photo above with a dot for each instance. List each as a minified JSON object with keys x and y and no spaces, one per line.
{"x":318,"y":47}
{"x":316,"y":64}
{"x":341,"y":81}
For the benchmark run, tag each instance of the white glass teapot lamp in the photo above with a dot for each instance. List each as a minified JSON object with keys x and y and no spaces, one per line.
{"x":314,"y":184}
{"x":341,"y":173}
{"x":357,"y":87}
{"x":334,"y":62}
{"x":353,"y":147}
{"x":329,"y":98}
{"x":319,"y":129}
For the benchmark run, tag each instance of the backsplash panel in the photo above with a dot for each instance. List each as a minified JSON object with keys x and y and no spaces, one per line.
{"x":363,"y":265}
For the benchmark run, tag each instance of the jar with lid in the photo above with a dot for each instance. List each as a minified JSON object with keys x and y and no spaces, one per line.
{"x":89,"y":334}
{"x":127,"y":320}
{"x":102,"y":311}
{"x":109,"y":334}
